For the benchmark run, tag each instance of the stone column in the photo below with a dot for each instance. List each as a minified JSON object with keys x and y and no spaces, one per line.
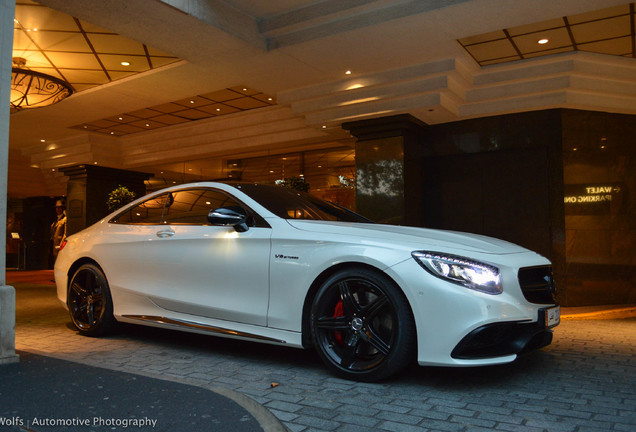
{"x":87,"y":192}
{"x":388,"y":169}
{"x":7,"y":293}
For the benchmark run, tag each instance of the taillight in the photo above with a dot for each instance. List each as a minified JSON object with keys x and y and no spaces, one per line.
{"x":62,"y":244}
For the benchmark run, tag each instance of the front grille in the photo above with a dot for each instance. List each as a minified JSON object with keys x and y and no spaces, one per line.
{"x":537,"y":284}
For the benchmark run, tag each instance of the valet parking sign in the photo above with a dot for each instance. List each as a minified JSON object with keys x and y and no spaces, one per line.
{"x":592,"y":199}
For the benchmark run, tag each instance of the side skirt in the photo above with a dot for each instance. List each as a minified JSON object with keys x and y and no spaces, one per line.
{"x":198,"y":326}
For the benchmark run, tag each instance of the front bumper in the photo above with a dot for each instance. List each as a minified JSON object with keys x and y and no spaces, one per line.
{"x":503,"y":339}
{"x":457,"y":326}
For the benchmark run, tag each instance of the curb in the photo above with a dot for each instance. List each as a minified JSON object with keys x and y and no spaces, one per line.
{"x":614,"y":313}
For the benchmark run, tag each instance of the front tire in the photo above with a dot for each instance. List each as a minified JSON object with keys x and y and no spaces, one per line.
{"x":89,"y":301}
{"x":362,"y":326}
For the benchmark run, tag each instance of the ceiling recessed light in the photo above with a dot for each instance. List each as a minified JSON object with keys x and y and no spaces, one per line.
{"x":543,"y":41}
{"x":348,"y":72}
{"x":120,"y":118}
{"x":147,"y":124}
{"x":191,"y":101}
{"x":112,"y":133}
{"x":125,"y":63}
{"x":218,"y":109}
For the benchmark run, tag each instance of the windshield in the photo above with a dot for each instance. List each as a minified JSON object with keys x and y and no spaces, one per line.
{"x":290,"y":204}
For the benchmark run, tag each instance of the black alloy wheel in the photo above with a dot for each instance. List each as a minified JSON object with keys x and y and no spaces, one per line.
{"x":89,"y":302}
{"x":362,"y":325}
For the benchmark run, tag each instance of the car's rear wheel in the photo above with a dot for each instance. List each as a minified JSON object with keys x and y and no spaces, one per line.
{"x":362,"y":326}
{"x":89,"y":301}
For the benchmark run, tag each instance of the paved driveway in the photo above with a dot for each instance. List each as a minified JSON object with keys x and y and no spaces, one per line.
{"x":584,"y":381}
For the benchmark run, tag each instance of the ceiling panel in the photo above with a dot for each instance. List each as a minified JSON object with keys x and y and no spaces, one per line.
{"x":115,"y":44}
{"x":536,"y":27}
{"x":33,"y":16}
{"x":619,"y":47}
{"x":53,"y":40}
{"x":600,"y":14}
{"x":220,"y":109}
{"x":197,"y":107}
{"x":598,"y":30}
{"x":169,"y":119}
{"x":84,"y":76}
{"x":528,"y":43}
{"x":221,"y":95}
{"x":493,"y":50}
{"x":608,"y":31}
{"x":84,"y":54}
{"x":113,"y":62}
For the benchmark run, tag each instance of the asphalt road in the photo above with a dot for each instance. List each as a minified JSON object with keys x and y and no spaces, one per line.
{"x":584,"y":381}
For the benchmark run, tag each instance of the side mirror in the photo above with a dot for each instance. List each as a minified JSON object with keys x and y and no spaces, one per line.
{"x":226,"y":216}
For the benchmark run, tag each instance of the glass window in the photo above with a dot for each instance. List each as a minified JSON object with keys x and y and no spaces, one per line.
{"x":184,"y":207}
{"x":192,"y":206}
{"x":290,"y":204}
{"x":147,"y":213}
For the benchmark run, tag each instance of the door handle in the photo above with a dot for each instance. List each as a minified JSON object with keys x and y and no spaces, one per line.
{"x":165,"y":233}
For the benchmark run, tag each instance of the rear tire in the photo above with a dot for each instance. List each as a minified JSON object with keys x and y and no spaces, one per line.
{"x":362,"y":326}
{"x":89,"y":301}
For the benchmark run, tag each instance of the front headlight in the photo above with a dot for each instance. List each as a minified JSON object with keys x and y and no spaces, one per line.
{"x":460,"y":270}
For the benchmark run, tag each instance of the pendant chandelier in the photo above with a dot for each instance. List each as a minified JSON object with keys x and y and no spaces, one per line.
{"x":31,"y":89}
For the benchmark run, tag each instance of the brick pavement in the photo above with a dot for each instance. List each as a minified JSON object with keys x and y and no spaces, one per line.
{"x":585,"y":381}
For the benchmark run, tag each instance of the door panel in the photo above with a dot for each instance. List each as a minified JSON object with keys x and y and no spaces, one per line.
{"x":210,"y":271}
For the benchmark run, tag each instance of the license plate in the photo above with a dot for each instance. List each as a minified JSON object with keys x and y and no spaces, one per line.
{"x":552,"y":316}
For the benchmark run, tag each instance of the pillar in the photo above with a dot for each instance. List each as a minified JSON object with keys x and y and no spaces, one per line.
{"x":388,"y":175}
{"x":7,"y":293}
{"x":88,"y":189}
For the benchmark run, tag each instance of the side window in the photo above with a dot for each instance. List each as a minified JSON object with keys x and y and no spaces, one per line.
{"x":192,"y":206}
{"x":147,"y":213}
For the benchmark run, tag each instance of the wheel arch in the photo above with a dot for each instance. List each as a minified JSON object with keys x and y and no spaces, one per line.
{"x":318,"y":281}
{"x":77,"y":264}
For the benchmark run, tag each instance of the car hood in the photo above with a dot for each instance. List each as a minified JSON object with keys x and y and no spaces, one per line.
{"x":417,"y":238}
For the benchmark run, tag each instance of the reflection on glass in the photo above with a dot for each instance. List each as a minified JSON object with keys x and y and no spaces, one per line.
{"x":380,"y":180}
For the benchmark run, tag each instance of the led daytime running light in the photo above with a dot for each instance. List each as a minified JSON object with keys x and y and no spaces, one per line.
{"x":462,"y":271}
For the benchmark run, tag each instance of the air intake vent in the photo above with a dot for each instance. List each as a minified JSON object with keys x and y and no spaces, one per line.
{"x":537,"y":284}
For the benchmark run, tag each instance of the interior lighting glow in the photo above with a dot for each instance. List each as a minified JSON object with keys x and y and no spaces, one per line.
{"x":354,"y":86}
{"x":125,"y":63}
{"x":543,"y":41}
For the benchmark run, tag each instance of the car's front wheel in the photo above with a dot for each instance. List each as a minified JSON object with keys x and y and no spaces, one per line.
{"x":362,"y":326}
{"x":89,"y":301}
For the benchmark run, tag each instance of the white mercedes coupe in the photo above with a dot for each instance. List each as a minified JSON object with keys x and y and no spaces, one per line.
{"x":273,"y":265}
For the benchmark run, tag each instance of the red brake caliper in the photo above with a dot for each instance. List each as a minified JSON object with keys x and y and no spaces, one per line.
{"x":338,"y":312}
